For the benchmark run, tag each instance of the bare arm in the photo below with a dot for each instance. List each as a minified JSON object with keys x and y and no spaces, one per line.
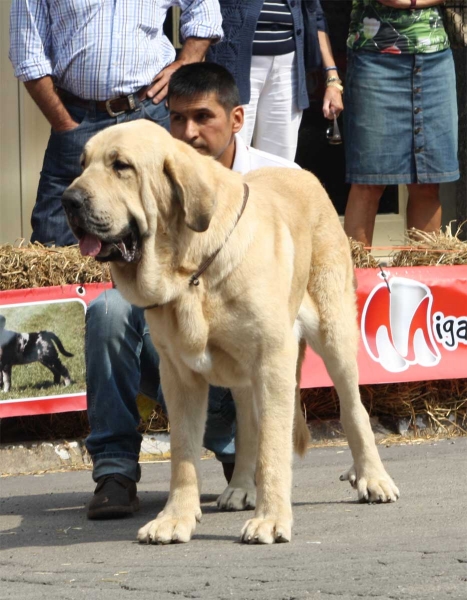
{"x":194,"y":50}
{"x":405,"y":4}
{"x":332,"y":103}
{"x":44,"y":95}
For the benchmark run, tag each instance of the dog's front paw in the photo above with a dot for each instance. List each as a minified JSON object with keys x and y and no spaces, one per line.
{"x":168,"y":529}
{"x":372,"y":485}
{"x":233,"y":498}
{"x":267,"y":530}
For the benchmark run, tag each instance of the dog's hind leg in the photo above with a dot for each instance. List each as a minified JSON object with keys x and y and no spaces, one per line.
{"x":186,"y":397}
{"x":329,"y":324}
{"x":58,"y":369}
{"x":6,"y":374}
{"x":240,"y":494}
{"x":274,"y":387}
{"x":64,"y":373}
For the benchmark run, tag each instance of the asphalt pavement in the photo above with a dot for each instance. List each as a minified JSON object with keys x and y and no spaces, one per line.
{"x":413,"y":549}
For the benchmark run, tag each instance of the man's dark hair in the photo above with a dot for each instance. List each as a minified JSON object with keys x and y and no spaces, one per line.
{"x":205,"y":78}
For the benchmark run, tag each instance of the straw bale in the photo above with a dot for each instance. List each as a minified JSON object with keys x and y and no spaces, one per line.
{"x":431,"y":249}
{"x":56,"y":426}
{"x":442,"y":401}
{"x":156,"y":422}
{"x":34,"y":265}
{"x":70,"y":425}
{"x":361,"y":256}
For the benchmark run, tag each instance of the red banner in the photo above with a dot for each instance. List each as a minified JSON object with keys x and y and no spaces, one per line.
{"x":413,"y":326}
{"x":31,"y":321}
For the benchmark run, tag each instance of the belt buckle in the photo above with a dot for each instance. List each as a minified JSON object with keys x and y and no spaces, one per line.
{"x":131,"y":104}
{"x":111,"y":112}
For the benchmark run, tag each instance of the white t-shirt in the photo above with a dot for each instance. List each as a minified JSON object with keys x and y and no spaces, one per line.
{"x":248,"y":158}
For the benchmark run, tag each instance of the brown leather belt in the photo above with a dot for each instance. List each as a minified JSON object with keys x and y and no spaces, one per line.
{"x":114,"y":106}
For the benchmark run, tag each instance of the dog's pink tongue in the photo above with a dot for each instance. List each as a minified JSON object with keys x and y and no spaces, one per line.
{"x":90,"y":245}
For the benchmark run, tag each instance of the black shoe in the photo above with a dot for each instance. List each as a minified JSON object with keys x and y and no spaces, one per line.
{"x":228,"y":470}
{"x":114,"y":497}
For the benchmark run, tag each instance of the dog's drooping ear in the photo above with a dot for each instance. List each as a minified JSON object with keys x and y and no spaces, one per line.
{"x":192,"y":181}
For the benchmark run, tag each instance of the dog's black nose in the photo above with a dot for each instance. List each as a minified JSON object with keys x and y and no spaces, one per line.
{"x":73,"y":199}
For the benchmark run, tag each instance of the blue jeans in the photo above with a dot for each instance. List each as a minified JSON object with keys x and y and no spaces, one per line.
{"x":120,"y":362}
{"x":62,"y":165}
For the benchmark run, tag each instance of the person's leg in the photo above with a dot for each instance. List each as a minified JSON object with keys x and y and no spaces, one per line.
{"x":278,"y":116}
{"x":114,"y":341}
{"x":260,"y":66}
{"x":378,"y":134}
{"x":219,"y":435}
{"x":424,"y":207}
{"x":62,"y":165}
{"x":360,"y":212}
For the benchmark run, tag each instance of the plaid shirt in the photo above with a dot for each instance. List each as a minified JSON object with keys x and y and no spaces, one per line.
{"x":100,"y":49}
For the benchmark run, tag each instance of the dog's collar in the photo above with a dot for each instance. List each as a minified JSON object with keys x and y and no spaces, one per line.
{"x":194,"y":279}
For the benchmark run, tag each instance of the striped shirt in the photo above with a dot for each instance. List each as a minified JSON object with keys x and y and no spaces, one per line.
{"x":100,"y":49}
{"x":274,"y":33}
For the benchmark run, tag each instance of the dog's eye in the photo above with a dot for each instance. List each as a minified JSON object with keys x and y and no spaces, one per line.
{"x":119,"y":165}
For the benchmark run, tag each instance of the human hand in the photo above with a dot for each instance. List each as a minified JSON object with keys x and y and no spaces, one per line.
{"x":66,"y":126}
{"x":401,"y":4}
{"x":332,"y":103}
{"x":160,"y":85}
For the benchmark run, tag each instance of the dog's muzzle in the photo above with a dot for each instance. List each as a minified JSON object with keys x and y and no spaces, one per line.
{"x":73,"y":200}
{"x":93,"y":237}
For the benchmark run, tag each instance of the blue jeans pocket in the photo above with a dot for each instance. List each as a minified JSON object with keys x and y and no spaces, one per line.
{"x":157,"y":113}
{"x":79,"y":118}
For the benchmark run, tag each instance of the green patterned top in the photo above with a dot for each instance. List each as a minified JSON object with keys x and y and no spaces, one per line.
{"x":378,"y":28}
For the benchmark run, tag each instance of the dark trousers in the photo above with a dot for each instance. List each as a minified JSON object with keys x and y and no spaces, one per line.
{"x":62,"y":165}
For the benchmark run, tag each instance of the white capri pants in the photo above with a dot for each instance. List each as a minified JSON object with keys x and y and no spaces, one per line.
{"x":272,"y":118}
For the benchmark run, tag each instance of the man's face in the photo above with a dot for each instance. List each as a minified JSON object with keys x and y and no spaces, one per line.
{"x":204,"y":124}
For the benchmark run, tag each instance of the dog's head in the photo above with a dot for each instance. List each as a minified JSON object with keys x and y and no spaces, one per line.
{"x":136,"y":175}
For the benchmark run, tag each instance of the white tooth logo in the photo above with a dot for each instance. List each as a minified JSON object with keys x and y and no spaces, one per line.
{"x":396,"y":325}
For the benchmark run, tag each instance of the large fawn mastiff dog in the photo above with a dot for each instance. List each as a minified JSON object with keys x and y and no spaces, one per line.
{"x":237,"y":274}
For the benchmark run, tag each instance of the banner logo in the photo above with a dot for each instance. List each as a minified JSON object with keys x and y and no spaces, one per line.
{"x":396,"y":325}
{"x":450,"y":331}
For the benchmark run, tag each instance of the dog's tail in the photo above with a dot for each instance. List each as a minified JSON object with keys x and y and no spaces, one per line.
{"x":50,"y":336}
{"x":301,"y":433}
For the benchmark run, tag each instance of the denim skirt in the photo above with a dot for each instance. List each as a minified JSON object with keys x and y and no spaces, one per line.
{"x":400,"y":118}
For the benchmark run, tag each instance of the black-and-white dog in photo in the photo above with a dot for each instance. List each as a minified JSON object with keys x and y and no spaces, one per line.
{"x":24,"y":348}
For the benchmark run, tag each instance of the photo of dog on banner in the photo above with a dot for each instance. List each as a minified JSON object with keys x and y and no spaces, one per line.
{"x":25,"y":348}
{"x":21,"y":352}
